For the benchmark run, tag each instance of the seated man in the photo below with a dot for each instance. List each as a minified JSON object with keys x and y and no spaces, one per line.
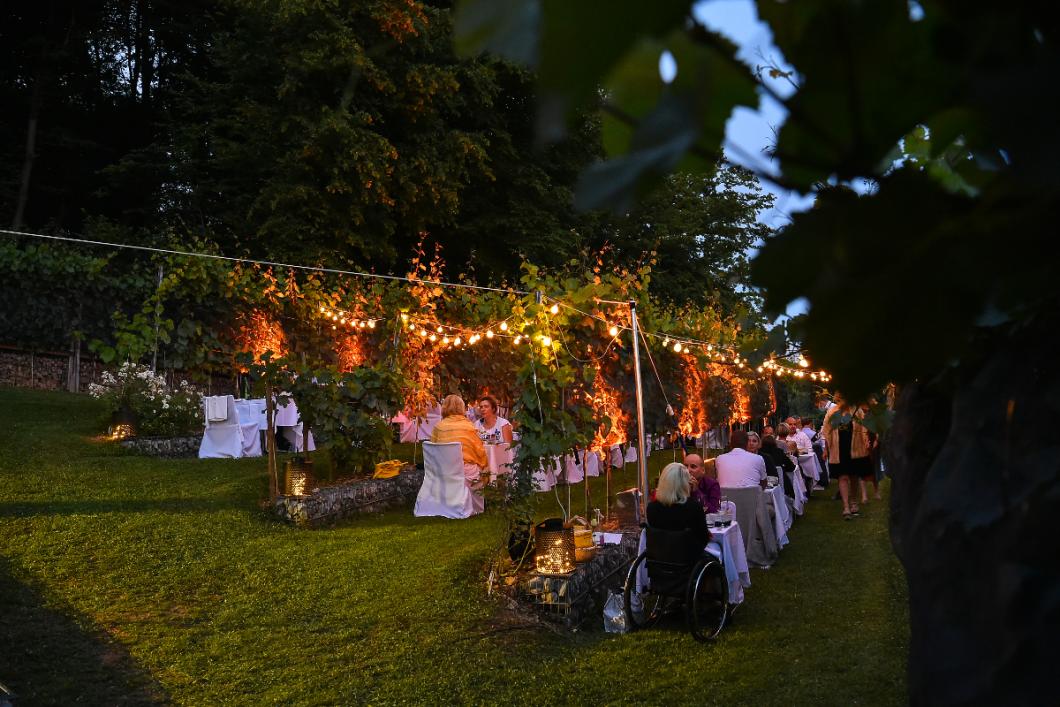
{"x":705,"y":490}
{"x":739,"y":468}
{"x":802,"y":442}
{"x":767,"y":448}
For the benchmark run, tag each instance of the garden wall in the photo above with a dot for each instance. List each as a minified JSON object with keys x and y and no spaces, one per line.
{"x":169,"y":447}
{"x":329,"y":504}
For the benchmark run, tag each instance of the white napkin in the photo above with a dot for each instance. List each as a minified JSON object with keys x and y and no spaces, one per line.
{"x":216,"y":408}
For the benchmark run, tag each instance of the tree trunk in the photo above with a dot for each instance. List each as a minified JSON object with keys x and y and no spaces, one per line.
{"x":30,"y":154}
{"x":975,"y":462}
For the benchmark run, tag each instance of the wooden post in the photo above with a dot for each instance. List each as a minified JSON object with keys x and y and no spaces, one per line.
{"x":270,"y":444}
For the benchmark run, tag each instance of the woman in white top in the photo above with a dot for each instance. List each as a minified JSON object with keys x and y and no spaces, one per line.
{"x":491,"y":428}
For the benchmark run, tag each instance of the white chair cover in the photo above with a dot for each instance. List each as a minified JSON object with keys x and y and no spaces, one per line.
{"x":631,"y":455}
{"x":545,"y":477}
{"x":499,"y":458}
{"x":799,"y":486}
{"x":294,"y":436}
{"x":286,"y":415}
{"x":810,"y":466}
{"x":591,"y":463}
{"x":221,"y":440}
{"x":617,"y":459}
{"x":444,"y":491}
{"x":572,"y":470}
{"x":252,"y":421}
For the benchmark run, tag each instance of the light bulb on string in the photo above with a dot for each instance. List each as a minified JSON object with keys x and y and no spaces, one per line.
{"x":433,"y":337}
{"x":677,"y":347}
{"x":803,"y":362}
{"x":323,"y":308}
{"x":456,"y":341}
{"x":371,"y":324}
{"x":504,"y":326}
{"x":666,"y":341}
{"x":423,"y":332}
{"x":445,"y":340}
{"x":489,"y":333}
{"x":439,"y":329}
{"x":518,"y":339}
{"x":554,"y":309}
{"x":546,"y":341}
{"x":613,"y":331}
{"x":404,"y":316}
{"x":411,"y":326}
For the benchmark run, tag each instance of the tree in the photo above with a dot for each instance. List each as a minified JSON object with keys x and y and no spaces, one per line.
{"x":925,"y":281}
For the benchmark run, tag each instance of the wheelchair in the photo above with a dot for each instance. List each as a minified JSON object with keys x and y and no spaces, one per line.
{"x":679,"y":577}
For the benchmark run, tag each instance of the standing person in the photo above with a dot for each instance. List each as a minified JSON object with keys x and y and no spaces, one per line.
{"x":705,"y":490}
{"x":455,"y":427}
{"x":848,"y":450}
{"x":492,"y":429}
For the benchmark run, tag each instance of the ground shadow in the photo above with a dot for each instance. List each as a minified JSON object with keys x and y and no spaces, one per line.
{"x":47,"y":657}
{"x":24,"y":509}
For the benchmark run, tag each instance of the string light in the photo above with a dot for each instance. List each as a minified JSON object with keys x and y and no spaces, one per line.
{"x":613,"y":331}
{"x":546,"y":341}
{"x":554,"y":309}
{"x":504,"y":326}
{"x":489,"y":333}
{"x":677,"y":347}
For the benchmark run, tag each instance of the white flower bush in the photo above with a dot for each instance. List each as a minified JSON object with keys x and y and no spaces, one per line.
{"x":136,"y":391}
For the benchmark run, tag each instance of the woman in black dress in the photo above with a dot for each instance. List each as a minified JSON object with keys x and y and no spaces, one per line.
{"x":848,"y":451}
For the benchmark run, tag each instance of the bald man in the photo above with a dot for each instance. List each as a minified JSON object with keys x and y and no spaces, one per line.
{"x":704,"y":489}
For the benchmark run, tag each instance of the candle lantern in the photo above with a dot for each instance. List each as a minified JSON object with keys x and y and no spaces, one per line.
{"x":553,"y":547}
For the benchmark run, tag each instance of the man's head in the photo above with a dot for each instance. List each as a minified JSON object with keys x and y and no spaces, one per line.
{"x":694,"y":462}
{"x":767,"y":431}
{"x":792,"y":422}
{"x":738,"y":439}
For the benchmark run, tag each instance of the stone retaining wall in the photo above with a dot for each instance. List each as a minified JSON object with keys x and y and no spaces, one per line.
{"x":578,"y":597}
{"x":329,"y":504}
{"x":170,"y":447}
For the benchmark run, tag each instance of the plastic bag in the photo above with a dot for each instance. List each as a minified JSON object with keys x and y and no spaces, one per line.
{"x":615,"y":614}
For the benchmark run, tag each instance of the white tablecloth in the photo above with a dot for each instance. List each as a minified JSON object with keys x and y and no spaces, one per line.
{"x":799,"y":485}
{"x":499,"y":458}
{"x":811,"y":467}
{"x":728,"y":542}
{"x":781,"y":518}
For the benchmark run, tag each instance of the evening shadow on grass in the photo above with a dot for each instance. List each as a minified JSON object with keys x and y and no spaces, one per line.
{"x":26,"y":509}
{"x":48,"y":656}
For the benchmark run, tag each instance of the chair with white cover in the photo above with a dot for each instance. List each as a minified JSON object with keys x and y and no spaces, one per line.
{"x":759,"y":533}
{"x":293,"y":435}
{"x":252,"y":421}
{"x":545,"y":476}
{"x":445,"y":491}
{"x":617,"y":458}
{"x":223,"y":436}
{"x":631,"y":455}
{"x":591,"y":463}
{"x":573,"y":472}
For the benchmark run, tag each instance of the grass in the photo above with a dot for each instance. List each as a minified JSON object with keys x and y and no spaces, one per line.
{"x":126,"y":580}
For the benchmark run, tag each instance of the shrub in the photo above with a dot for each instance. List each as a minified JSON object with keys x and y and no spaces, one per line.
{"x":158,"y":410}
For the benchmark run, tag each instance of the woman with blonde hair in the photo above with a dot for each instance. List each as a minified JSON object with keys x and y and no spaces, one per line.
{"x":848,"y":451}
{"x":675,"y":509}
{"x":455,"y":427}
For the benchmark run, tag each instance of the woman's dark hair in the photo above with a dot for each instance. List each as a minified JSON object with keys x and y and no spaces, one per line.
{"x":491,"y":400}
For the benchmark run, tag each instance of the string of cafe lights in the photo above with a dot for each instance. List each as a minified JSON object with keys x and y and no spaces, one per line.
{"x":350,"y":320}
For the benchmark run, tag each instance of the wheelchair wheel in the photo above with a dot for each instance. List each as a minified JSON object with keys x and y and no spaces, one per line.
{"x":642,"y":609}
{"x":707,"y":605}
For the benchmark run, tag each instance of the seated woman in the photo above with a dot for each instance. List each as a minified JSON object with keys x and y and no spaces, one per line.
{"x":492,"y":429}
{"x":455,"y":427}
{"x":768,"y":449}
{"x":675,"y":509}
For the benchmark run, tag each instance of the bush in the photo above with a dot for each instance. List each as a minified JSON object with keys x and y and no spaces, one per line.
{"x":134,"y":391}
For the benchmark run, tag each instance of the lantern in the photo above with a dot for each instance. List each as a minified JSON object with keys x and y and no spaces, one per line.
{"x":553,"y":547}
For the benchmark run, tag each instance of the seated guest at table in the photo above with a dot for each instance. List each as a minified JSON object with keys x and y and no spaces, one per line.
{"x":739,"y":468}
{"x":492,"y":429}
{"x":785,"y":441}
{"x":705,"y":490}
{"x":455,"y":427}
{"x":767,"y":431}
{"x":674,"y":508}
{"x":802,"y":442}
{"x":769,"y":451}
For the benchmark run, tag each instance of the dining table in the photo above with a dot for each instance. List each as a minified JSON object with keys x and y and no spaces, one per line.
{"x":726,"y":543}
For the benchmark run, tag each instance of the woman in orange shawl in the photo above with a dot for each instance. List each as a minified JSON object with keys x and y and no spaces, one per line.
{"x":455,"y":427}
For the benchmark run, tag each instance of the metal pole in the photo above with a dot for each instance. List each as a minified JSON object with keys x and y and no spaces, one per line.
{"x":642,"y":457}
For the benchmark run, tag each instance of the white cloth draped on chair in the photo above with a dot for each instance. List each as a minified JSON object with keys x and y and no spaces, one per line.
{"x":617,"y":458}
{"x":631,"y":455}
{"x":572,"y":471}
{"x":591,"y":463}
{"x":545,"y":476}
{"x":221,"y":439}
{"x":445,"y":491}
{"x":252,"y":421}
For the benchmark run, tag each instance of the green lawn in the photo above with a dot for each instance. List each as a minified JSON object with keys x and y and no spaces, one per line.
{"x":125,"y":579}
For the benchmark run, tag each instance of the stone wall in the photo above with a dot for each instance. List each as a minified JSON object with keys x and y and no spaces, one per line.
{"x":50,"y":370}
{"x":170,"y":447}
{"x":329,"y":504}
{"x":574,"y":599}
